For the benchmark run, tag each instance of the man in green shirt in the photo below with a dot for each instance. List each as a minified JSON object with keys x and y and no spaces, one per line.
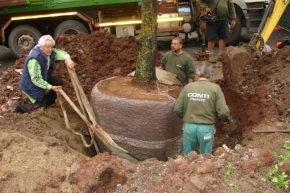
{"x":179,"y":62}
{"x":36,"y":81}
{"x":197,"y":105}
{"x":225,"y":12}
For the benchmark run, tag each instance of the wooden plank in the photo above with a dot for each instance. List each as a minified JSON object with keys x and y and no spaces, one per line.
{"x":10,"y":3}
{"x":271,"y":131}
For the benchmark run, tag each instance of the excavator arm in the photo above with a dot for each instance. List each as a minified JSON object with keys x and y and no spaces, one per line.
{"x":236,"y":59}
{"x":270,"y":19}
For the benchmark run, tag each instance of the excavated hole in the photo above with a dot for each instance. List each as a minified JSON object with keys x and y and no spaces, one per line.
{"x":230,"y":133}
{"x":246,"y":112}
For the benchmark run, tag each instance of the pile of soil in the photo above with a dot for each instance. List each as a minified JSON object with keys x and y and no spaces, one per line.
{"x":38,"y":153}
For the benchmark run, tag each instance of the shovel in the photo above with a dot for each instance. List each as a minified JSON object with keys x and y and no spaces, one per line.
{"x":91,"y":121}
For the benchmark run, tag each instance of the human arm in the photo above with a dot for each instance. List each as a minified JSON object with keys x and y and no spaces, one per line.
{"x":190,"y":80}
{"x":56,"y":88}
{"x":233,"y":23}
{"x":163,"y":62}
{"x":221,"y":106}
{"x":62,"y":55}
{"x":232,"y":13}
{"x":190,"y":70}
{"x":179,"y":105}
{"x":70,"y":63}
{"x":34,"y":70}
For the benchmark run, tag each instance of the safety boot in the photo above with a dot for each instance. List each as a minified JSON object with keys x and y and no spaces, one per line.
{"x":220,"y":57}
{"x":212,"y":58}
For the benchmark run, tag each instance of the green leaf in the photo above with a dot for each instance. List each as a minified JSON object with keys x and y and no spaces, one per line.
{"x":227,"y":173}
{"x":286,"y":157}
{"x":233,"y":184}
{"x":287,"y":144}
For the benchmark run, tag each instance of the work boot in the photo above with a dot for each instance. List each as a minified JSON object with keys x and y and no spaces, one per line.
{"x":220,"y":57}
{"x":212,"y":58}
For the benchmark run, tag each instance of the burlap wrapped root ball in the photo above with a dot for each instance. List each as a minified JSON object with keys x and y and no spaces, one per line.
{"x":146,"y":129}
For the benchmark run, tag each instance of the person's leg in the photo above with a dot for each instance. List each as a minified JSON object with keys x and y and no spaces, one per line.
{"x":24,"y":107}
{"x":189,"y":138}
{"x":211,"y":34}
{"x":205,"y":135}
{"x":210,"y":46}
{"x":223,"y":35}
{"x":222,"y":45}
{"x":50,"y":97}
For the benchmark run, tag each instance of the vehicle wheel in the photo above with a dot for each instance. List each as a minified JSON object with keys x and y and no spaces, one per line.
{"x":235,"y":32}
{"x":70,"y":27}
{"x":23,"y":38}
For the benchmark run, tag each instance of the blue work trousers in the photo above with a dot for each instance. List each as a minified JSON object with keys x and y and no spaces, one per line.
{"x":198,"y":134}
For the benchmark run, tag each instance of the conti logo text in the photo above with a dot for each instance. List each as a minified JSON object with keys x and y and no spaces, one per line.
{"x":198,"y":96}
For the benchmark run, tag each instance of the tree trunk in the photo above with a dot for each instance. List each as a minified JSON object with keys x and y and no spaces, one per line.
{"x":145,"y":69}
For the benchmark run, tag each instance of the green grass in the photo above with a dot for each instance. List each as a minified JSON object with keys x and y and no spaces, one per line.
{"x":278,"y":178}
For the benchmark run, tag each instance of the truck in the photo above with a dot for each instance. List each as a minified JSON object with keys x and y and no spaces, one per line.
{"x":22,"y":22}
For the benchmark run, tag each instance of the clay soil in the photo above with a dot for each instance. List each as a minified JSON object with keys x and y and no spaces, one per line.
{"x":38,"y":153}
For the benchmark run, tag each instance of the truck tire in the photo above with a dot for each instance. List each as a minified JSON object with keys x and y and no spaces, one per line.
{"x":23,"y":38}
{"x":235,"y":32}
{"x":70,"y":27}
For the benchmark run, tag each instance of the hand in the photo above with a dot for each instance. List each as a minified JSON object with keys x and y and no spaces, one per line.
{"x":55,"y":88}
{"x":233,"y":23}
{"x":190,"y":80}
{"x":208,"y":10}
{"x":70,"y":63}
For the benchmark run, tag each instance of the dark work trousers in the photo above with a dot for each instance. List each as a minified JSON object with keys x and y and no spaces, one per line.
{"x":48,"y":99}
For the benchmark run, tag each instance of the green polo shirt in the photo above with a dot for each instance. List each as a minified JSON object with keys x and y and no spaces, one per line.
{"x":181,"y":65}
{"x":200,"y":101}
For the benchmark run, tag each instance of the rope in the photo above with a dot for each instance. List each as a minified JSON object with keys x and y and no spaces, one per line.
{"x":68,"y":125}
{"x":161,"y":92}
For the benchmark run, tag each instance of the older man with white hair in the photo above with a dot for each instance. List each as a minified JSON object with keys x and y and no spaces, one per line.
{"x":36,"y":81}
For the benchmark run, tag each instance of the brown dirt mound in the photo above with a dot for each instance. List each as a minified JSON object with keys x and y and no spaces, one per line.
{"x":260,"y":89}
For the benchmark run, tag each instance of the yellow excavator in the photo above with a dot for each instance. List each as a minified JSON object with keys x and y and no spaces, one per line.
{"x":272,"y":15}
{"x":270,"y":19}
{"x":236,"y":59}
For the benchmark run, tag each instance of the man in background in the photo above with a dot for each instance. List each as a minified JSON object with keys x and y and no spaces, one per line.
{"x":225,"y":12}
{"x":179,"y":62}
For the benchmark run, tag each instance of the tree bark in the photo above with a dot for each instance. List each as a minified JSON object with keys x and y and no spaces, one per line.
{"x":145,"y":69}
